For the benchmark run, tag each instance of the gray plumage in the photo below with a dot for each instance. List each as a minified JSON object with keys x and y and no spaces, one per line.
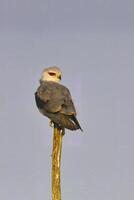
{"x":54,"y":101}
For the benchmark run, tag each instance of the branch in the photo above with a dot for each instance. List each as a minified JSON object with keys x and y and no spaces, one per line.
{"x":56,"y":160}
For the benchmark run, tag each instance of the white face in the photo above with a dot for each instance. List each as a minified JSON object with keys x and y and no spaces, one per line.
{"x":51,"y":75}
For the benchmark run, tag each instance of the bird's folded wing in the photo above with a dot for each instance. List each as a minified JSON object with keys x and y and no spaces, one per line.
{"x":56,"y":98}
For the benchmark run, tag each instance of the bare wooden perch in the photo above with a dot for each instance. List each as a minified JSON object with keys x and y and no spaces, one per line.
{"x":55,"y":102}
{"x":56,"y":161}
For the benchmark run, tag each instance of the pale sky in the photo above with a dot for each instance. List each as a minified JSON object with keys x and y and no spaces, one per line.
{"x":93,"y":44}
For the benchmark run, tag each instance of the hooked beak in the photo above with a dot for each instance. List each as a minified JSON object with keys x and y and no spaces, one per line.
{"x":59,"y":77}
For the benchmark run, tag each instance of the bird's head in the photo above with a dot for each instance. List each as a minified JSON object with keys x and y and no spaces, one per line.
{"x":51,"y":74}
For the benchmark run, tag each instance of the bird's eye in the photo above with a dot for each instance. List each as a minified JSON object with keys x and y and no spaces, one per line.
{"x":52,"y":73}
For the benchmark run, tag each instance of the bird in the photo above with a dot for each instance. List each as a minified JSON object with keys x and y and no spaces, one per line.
{"x":54,"y":100}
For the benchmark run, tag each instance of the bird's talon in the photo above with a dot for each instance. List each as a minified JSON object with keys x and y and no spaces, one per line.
{"x":63,"y":132}
{"x":51,"y":124}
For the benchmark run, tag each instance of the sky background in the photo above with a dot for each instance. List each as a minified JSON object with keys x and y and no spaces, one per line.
{"x":93,"y":44}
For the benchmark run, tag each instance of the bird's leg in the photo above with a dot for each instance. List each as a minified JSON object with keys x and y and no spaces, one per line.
{"x":63,"y":131}
{"x":51,"y":123}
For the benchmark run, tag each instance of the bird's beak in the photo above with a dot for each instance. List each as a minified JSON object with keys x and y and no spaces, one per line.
{"x":59,"y":77}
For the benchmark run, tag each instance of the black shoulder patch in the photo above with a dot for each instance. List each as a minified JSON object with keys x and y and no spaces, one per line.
{"x":39,"y":102}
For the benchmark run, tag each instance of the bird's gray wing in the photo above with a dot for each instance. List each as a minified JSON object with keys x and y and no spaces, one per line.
{"x":56,"y":98}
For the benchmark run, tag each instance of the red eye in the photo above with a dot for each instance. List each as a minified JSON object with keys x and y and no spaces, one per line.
{"x":52,"y":74}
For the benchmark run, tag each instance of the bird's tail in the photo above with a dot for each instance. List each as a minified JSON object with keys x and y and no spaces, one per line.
{"x":70,"y":122}
{"x":74,"y":119}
